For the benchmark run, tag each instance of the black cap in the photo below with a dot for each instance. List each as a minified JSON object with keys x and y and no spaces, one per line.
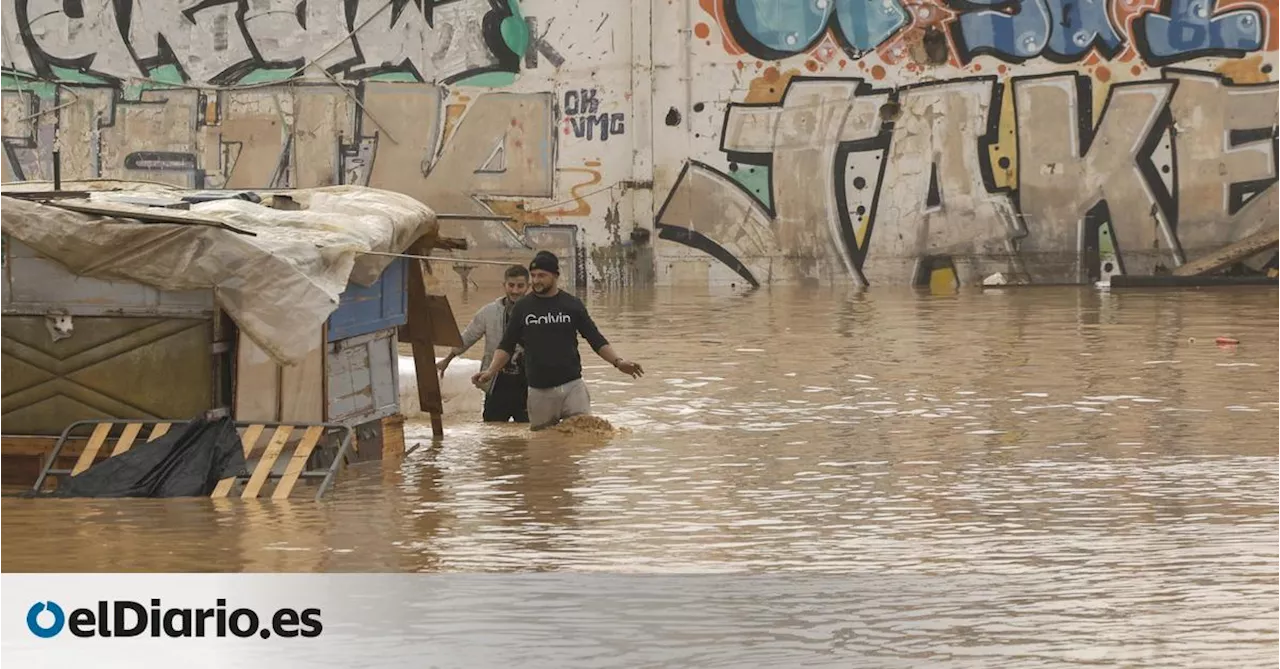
{"x":545,"y":261}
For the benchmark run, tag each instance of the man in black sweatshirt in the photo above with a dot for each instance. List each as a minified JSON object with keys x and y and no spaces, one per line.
{"x":546,"y":323}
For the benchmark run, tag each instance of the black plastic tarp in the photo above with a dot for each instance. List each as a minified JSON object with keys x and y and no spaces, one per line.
{"x":183,"y":463}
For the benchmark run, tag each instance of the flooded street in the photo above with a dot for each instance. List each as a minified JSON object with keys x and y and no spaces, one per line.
{"x":1023,"y":477}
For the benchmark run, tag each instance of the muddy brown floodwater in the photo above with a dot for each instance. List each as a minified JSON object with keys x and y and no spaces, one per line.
{"x":1105,"y":466}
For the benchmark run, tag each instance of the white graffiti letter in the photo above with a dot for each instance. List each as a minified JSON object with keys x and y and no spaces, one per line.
{"x":286,"y":31}
{"x":934,"y":201}
{"x":1205,"y":112}
{"x":85,"y":38}
{"x":204,"y":38}
{"x":451,"y":44}
{"x":804,"y":136}
{"x":1063,"y":175}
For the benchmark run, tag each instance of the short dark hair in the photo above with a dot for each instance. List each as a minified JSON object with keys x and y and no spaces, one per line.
{"x":516,"y":271}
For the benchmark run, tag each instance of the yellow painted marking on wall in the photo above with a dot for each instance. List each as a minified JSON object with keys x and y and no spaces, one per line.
{"x":1006,"y":145}
{"x":943,"y":281}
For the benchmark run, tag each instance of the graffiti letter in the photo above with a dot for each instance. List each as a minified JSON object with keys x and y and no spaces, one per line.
{"x":1193,"y":30}
{"x":938,"y":203}
{"x":522,"y":122}
{"x":708,"y":212}
{"x":153,"y":139}
{"x":775,"y":29}
{"x":1212,"y":165}
{"x":804,"y":136}
{"x":1066,"y":166}
{"x":865,"y":24}
{"x":75,"y":39}
{"x":590,"y":103}
{"x":23,"y":140}
{"x":571,"y":103}
{"x":291,"y":32}
{"x":1079,"y":25}
{"x":451,"y":49}
{"x":617,"y":123}
{"x":247,"y":146}
{"x":16,"y":56}
{"x":1014,"y":38}
{"x":201,"y":38}
{"x":538,"y":45}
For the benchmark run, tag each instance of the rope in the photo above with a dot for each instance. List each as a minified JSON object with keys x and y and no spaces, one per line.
{"x":446,"y":258}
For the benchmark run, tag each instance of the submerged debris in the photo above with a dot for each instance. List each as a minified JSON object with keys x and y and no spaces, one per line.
{"x":587,"y":425}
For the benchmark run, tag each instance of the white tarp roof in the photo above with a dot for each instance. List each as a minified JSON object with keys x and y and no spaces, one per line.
{"x":279,"y":286}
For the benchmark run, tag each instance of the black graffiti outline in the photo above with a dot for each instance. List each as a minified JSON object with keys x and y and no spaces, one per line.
{"x":756,"y":48}
{"x":697,"y":240}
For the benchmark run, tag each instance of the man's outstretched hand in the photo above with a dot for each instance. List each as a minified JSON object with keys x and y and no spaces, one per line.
{"x":632,"y":369}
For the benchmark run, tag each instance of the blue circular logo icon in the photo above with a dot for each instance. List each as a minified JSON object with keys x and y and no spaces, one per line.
{"x":45,"y":631}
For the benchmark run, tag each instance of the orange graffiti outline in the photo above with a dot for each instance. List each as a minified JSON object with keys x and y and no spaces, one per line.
{"x":581,"y":207}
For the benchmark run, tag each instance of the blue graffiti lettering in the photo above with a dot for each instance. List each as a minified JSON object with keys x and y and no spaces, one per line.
{"x":1079,"y":25}
{"x":1014,"y":37}
{"x":776,"y":29}
{"x":1193,"y":30}
{"x":1061,"y":30}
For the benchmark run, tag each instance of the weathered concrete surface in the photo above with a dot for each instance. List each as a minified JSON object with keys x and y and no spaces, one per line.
{"x":755,"y":141}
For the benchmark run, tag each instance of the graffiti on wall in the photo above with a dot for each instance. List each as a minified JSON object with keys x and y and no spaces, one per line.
{"x":582,"y":116}
{"x":212,"y":42}
{"x":1164,"y":32}
{"x":397,"y":136}
{"x":184,"y":93}
{"x":1104,"y":167}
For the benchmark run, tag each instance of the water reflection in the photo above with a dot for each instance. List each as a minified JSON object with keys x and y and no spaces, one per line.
{"x":1098,"y":447}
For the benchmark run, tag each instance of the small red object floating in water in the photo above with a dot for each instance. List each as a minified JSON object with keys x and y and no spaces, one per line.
{"x":1227,"y":341}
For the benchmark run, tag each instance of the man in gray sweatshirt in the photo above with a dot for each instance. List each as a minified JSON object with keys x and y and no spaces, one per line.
{"x":506,"y":396}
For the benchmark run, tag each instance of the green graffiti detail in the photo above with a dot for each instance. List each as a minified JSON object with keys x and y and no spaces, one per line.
{"x":515,"y":34}
{"x":756,"y":180}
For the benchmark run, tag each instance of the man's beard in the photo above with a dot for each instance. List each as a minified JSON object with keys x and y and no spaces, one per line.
{"x":541,"y":289}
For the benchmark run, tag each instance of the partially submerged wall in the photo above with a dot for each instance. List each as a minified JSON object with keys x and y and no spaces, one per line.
{"x":749,"y":141}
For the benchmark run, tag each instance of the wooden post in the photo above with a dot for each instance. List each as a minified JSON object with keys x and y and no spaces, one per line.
{"x":1249,"y":246}
{"x":420,"y":336}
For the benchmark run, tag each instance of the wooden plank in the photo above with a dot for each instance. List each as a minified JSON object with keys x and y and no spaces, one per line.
{"x":1251,"y":245}
{"x":159,"y":430}
{"x":91,"y":449}
{"x":298,"y":462}
{"x":126,"y":439}
{"x":1170,"y":281}
{"x":247,"y":441}
{"x":37,"y":446}
{"x":257,"y":383}
{"x":302,"y":396}
{"x":444,"y":326}
{"x":424,"y":355}
{"x":268,"y":460}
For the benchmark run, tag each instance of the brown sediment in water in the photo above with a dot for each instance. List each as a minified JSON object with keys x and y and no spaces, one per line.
{"x":588,"y":425}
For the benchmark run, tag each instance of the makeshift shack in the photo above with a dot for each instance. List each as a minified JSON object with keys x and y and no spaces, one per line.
{"x":155,"y":304}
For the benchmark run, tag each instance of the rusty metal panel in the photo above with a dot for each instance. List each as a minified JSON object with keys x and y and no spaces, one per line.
{"x":100,"y":368}
{"x":34,"y":284}
{"x":363,"y":378}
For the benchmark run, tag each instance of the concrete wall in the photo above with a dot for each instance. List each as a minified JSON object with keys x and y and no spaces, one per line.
{"x":741,"y":141}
